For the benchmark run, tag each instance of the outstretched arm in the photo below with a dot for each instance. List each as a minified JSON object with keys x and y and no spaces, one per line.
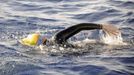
{"x":64,"y":35}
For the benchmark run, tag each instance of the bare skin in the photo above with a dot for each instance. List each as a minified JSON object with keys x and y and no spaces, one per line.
{"x":111,"y":30}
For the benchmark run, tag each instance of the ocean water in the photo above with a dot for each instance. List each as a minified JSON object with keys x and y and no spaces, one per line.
{"x":18,"y":18}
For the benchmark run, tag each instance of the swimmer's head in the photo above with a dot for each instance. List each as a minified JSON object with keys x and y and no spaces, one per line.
{"x":34,"y":39}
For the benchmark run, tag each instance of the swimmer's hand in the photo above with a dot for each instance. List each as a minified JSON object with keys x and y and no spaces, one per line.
{"x":111,"y":30}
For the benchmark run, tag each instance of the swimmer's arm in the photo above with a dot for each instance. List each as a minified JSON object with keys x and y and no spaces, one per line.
{"x":64,"y":35}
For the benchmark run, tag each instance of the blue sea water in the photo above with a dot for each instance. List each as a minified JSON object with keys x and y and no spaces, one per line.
{"x":18,"y":18}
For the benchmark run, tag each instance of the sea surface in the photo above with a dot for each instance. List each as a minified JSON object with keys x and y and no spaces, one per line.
{"x":18,"y":18}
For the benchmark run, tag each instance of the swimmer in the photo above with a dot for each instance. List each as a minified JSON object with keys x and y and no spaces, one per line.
{"x":61,"y":37}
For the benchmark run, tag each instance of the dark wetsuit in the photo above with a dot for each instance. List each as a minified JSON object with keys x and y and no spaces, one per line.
{"x":62,"y":36}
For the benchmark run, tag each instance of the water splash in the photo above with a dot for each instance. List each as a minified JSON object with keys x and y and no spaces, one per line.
{"x":112,"y":40}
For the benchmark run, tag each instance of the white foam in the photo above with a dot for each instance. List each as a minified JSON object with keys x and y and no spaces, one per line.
{"x":112,"y":40}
